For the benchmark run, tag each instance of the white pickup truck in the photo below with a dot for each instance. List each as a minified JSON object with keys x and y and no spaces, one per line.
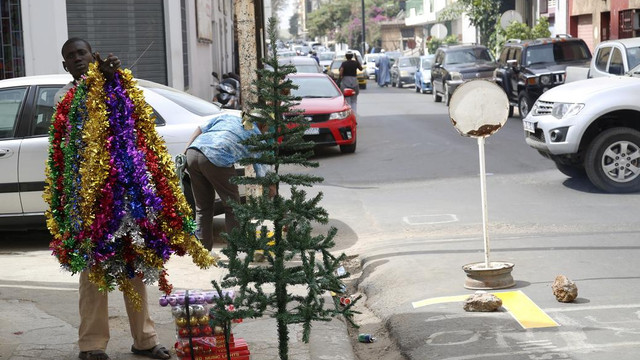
{"x":611,"y":58}
{"x":591,"y":126}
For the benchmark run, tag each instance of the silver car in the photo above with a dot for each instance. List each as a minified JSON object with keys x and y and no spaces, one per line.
{"x":26,"y":108}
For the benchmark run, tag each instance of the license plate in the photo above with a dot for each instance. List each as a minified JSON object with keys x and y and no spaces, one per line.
{"x":312,"y":131}
{"x":529,"y":126}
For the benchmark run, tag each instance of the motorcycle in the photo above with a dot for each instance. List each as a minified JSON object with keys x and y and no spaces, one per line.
{"x":227,"y":92}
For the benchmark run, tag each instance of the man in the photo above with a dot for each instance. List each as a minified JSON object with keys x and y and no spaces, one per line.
{"x":348,"y":78}
{"x":211,"y":152}
{"x":314,"y":55}
{"x":384,"y":69}
{"x":93,"y":332}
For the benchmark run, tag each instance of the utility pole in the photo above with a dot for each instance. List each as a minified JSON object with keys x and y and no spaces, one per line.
{"x":247,"y":44}
{"x":364,"y":46}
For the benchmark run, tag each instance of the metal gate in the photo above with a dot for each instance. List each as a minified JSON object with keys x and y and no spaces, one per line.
{"x":585,"y":30}
{"x":133,"y":30}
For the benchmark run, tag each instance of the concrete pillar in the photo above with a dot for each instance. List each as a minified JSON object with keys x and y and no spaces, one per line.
{"x":246,"y":32}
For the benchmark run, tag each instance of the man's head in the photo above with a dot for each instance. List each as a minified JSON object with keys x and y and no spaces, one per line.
{"x":349,"y":55}
{"x":77,"y":55}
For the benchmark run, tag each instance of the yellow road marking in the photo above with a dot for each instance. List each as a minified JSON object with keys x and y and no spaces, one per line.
{"x":439,"y":300}
{"x":524,"y":310}
{"x":519,"y":305}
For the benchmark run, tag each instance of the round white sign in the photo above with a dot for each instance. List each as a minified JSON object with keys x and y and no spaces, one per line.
{"x":478,"y":108}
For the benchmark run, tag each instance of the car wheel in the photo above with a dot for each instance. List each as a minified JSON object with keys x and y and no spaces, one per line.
{"x":510,"y":111}
{"x":572,"y":171}
{"x":400,"y":84}
{"x":436,"y":97}
{"x":348,"y":149}
{"x":446,"y":98}
{"x":524,"y":104}
{"x":612,"y":162}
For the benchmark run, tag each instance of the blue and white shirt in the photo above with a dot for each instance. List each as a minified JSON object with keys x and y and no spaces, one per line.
{"x":220,"y":142}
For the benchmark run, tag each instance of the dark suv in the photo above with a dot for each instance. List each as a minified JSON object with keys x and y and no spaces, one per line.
{"x":527,"y":68}
{"x":453,"y":65}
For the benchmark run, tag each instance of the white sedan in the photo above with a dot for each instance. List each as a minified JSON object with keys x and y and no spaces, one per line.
{"x":26,"y":108}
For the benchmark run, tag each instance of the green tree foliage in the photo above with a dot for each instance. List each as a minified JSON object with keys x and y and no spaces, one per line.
{"x":293,"y":24}
{"x":541,"y":29}
{"x":433,"y":44}
{"x":483,"y":14}
{"x":313,"y":274}
{"x":518,"y":30}
{"x":341,"y":20}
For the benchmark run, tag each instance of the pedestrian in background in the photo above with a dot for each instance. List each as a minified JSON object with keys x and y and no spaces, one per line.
{"x":93,"y":331}
{"x":211,"y":152}
{"x":348,"y":78}
{"x":314,"y":55}
{"x":384,"y":69}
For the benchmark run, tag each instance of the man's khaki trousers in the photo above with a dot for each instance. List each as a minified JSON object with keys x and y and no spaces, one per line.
{"x":93,"y":333}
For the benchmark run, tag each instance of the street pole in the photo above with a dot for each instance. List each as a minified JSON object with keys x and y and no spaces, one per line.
{"x":364,"y":50}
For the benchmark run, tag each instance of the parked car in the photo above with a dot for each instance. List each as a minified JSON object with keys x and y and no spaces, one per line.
{"x":334,"y":72}
{"x":26,"y":108}
{"x":331,"y":118}
{"x":303,"y":64}
{"x":591,"y":126}
{"x":610,"y":58}
{"x":422,"y":77}
{"x":370,"y":61}
{"x":325,"y":59}
{"x":528,"y":68}
{"x":453,"y":65}
{"x":403,"y":71}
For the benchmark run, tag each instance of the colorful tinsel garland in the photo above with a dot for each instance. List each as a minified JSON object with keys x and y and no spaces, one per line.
{"x":115,"y":206}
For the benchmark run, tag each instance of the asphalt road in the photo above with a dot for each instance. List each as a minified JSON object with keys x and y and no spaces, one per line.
{"x":408,"y":203}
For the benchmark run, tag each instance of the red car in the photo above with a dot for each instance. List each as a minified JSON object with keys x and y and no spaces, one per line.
{"x":331,"y":118}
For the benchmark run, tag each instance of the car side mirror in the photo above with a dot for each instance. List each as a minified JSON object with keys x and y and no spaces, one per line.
{"x":512,"y":63}
{"x":348,"y":92}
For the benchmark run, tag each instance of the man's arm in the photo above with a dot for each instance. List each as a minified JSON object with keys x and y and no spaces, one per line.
{"x":195,"y":134}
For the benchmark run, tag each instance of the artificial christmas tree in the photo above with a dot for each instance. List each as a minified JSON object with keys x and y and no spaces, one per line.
{"x":291,"y":218}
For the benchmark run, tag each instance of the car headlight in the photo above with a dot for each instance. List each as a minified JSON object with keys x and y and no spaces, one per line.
{"x":404,"y":73}
{"x":455,"y":76}
{"x":340,"y":115}
{"x":562,"y":110}
{"x":545,"y":79}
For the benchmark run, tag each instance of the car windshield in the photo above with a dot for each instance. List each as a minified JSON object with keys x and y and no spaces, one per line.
{"x":633,"y":56}
{"x":406,"y":62}
{"x":466,"y":56}
{"x":191,"y":103}
{"x":426,"y":63}
{"x":314,"y":87}
{"x":557,"y":52}
{"x":307,"y":69}
{"x":326,"y":56}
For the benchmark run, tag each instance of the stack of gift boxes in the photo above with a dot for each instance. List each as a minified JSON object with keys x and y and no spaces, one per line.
{"x":199,"y":335}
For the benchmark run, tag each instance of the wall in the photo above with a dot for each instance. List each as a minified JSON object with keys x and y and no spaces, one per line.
{"x":173,"y":23}
{"x":44,"y":26}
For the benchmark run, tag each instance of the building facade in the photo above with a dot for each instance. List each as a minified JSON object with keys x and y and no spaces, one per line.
{"x":178,"y":43}
{"x":598,"y":20}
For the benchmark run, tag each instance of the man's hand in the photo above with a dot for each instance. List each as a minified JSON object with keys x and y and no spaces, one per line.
{"x":108,"y":65}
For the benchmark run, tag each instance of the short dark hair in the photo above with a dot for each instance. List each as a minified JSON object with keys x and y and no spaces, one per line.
{"x":349,"y":56}
{"x":72,"y":40}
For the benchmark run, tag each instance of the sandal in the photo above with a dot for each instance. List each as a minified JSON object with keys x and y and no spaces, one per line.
{"x":93,"y":355}
{"x":156,"y":352}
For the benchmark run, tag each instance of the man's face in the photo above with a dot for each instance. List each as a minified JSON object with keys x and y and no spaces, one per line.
{"x":77,"y":56}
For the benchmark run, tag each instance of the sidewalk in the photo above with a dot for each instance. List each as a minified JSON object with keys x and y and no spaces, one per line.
{"x":32,"y":328}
